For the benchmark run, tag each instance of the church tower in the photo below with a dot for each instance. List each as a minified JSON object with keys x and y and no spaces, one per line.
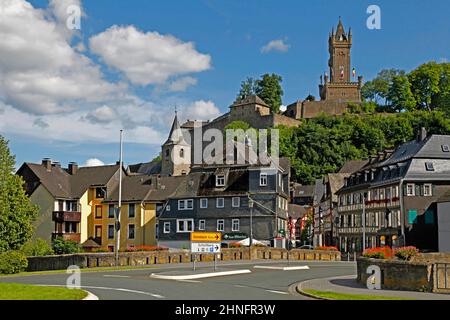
{"x":338,"y":84}
{"x":176,"y":152}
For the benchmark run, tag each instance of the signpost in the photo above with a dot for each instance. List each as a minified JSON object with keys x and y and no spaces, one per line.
{"x":206,"y":242}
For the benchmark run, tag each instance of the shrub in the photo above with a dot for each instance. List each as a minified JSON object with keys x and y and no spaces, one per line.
{"x":378,"y":253}
{"x":325,"y":248}
{"x":101,"y":250}
{"x":61,"y":246}
{"x":13,"y":262}
{"x":406,"y":253}
{"x":37,"y":248}
{"x":145,"y":248}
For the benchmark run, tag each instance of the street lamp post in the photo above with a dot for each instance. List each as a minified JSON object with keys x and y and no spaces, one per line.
{"x":117,"y":247}
{"x":250,"y":205}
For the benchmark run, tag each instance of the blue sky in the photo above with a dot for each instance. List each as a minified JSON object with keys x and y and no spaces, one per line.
{"x":231,"y":34}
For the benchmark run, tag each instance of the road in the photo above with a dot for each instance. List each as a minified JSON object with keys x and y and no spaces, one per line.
{"x":260,"y":284}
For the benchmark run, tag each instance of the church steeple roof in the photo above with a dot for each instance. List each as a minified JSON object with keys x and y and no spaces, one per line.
{"x":340,"y":31}
{"x":176,"y":133}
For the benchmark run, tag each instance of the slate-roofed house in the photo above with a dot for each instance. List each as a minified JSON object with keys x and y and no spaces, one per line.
{"x":215,"y":198}
{"x":67,"y":197}
{"x":402,"y":191}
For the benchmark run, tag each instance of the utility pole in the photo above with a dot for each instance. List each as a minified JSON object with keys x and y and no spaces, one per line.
{"x":117,"y":247}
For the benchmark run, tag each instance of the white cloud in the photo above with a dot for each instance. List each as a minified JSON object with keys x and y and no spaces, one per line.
{"x":147,"y":58}
{"x":103,"y":114}
{"x":182,"y":84}
{"x":94,"y":162}
{"x":276,"y":45}
{"x":201,"y":110}
{"x":40,"y":72}
{"x":59,"y":10}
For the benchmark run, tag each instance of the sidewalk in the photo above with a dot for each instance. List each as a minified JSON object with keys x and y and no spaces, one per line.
{"x":348,"y":285}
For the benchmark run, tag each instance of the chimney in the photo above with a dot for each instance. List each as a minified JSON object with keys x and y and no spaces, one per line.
{"x":47,"y":163}
{"x":56,"y":164}
{"x":73,"y":168}
{"x":422,"y":134}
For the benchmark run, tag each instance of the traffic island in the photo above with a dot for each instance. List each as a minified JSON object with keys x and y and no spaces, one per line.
{"x":281,"y":268}
{"x":178,"y":275}
{"x":15,"y":291}
{"x":347,"y":288}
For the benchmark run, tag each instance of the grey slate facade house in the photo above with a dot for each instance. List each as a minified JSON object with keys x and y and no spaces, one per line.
{"x":402,"y":191}
{"x":216,"y":199}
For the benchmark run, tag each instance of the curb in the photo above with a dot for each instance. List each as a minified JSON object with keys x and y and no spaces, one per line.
{"x":90,"y":296}
{"x":200,"y":276}
{"x":298,"y":288}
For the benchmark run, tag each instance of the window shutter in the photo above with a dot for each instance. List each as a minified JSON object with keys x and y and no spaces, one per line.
{"x":418,"y":191}
{"x":405,"y":189}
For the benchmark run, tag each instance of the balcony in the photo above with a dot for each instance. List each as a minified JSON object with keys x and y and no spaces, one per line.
{"x":66,"y":216}
{"x":76,"y":237}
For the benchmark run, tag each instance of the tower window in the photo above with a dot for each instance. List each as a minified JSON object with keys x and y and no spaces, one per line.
{"x":182,"y":153}
{"x":167,"y":152}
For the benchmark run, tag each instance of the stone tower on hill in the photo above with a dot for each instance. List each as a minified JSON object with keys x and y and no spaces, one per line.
{"x":339,"y":87}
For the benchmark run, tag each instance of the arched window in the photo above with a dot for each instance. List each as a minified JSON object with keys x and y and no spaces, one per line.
{"x":182,"y":153}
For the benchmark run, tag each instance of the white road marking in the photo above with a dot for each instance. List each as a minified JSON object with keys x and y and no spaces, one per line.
{"x":113,"y":289}
{"x":190,"y":281}
{"x":239,"y":286}
{"x":279,"y":292}
{"x":114,"y":276}
{"x":282,"y":268}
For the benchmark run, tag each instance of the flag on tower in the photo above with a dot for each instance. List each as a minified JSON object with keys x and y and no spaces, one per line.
{"x":342,"y":72}
{"x":354,"y":72}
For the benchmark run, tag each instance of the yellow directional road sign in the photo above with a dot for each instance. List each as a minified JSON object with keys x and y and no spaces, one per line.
{"x":206,"y":237}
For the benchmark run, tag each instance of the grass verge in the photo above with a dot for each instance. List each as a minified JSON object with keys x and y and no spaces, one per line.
{"x":15,"y":291}
{"x":348,"y":296}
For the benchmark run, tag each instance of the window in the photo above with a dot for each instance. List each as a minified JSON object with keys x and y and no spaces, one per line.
{"x":220,"y":225}
{"x":236,"y":202}
{"x":72,"y":206}
{"x":185,"y":225}
{"x":263,"y":179}
{"x":220,"y":181}
{"x":98,"y":232}
{"x":111,"y":213}
{"x":131,"y":231}
{"x":445,"y":148}
{"x":168,"y":207}
{"x":427,"y":190}
{"x":429,"y":166}
{"x":131,"y":210}
{"x":156,"y":231}
{"x":182,"y":153}
{"x":185,"y":204}
{"x":167,"y":153}
{"x":100,"y":193}
{"x":201,"y":225}
{"x":98,"y":212}
{"x":220,"y":202}
{"x":235,"y":225}
{"x":203,"y":203}
{"x":110,"y":231}
{"x":410,"y":189}
{"x":166,"y":227}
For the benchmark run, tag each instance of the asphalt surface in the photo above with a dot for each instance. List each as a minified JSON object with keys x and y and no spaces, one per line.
{"x":260,"y":284}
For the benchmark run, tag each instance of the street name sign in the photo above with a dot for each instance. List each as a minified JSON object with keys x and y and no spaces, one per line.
{"x":205,"y":247}
{"x":206,"y":237}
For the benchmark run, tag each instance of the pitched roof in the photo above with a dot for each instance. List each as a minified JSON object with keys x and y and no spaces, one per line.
{"x":253,"y":99}
{"x":353,"y":166}
{"x":56,"y":180}
{"x":177,"y":135}
{"x":296,"y":211}
{"x":148,"y":168}
{"x":61,"y":184}
{"x":303,"y":190}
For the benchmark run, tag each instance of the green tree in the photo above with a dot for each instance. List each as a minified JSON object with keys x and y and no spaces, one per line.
{"x":248,"y":88}
{"x":442,"y":99}
{"x":400,"y":95}
{"x":377,"y":89}
{"x":235,"y":125}
{"x":16,"y":211}
{"x":425,"y":82}
{"x":269,"y":89}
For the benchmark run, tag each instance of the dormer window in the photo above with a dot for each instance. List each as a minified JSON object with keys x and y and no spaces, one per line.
{"x":263,"y":179}
{"x":220,"y":181}
{"x":429,"y":166}
{"x":445,"y":148}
